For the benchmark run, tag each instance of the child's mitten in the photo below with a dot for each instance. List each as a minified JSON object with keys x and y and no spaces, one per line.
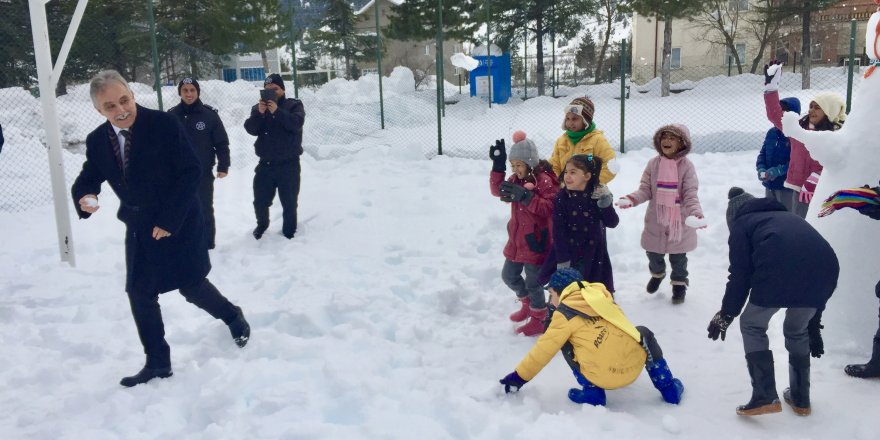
{"x":512,"y":382}
{"x":772,"y":74}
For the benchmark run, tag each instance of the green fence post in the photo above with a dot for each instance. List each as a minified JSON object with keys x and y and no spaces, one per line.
{"x":525,"y":61}
{"x":488,"y":54}
{"x":293,"y":53}
{"x":553,"y":73}
{"x":852,"y":59}
{"x":379,"y":67}
{"x":157,"y":84}
{"x":439,"y":78}
{"x":622,"y":93}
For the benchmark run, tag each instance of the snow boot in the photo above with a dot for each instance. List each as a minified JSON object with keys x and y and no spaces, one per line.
{"x":240,"y":329}
{"x":670,"y":387}
{"x":798,"y":394}
{"x":870,"y":369}
{"x":523,"y":312}
{"x":535,"y":326}
{"x":678,"y":291}
{"x":590,"y":394}
{"x":145,"y":375}
{"x":654,"y":282}
{"x":764,"y":398}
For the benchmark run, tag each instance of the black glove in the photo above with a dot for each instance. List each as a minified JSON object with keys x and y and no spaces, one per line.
{"x":872,"y":211}
{"x":498,"y":154}
{"x":718,"y":326}
{"x":511,"y":192}
{"x":817,"y":347}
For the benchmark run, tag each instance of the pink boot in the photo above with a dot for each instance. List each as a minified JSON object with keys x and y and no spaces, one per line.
{"x":523,"y":312}
{"x":535,"y":326}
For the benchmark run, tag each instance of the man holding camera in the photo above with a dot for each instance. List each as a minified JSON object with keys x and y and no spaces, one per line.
{"x":277,"y":122}
{"x":208,"y":136}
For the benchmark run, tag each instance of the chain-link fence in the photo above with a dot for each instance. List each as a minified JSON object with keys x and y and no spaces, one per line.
{"x":345,"y":117}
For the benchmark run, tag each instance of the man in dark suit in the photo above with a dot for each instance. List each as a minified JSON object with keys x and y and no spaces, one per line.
{"x":206,"y":131}
{"x":277,"y":123}
{"x":150,"y":164}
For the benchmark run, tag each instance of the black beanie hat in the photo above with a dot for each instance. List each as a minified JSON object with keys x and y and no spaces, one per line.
{"x":189,"y":81}
{"x":275,"y":79}
{"x":736,"y":197}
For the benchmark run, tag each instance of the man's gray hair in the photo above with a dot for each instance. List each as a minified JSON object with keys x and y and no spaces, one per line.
{"x":100,"y":82}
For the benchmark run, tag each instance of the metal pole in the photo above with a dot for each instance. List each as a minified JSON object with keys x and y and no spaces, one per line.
{"x":439,"y":78}
{"x":852,"y":59}
{"x":553,"y":75}
{"x":525,"y":60}
{"x":47,"y":83}
{"x":157,"y":84}
{"x":379,"y":67}
{"x":440,"y":62}
{"x":622,"y":93}
{"x":293,"y":54}
{"x":488,"y":54}
{"x":729,"y":64}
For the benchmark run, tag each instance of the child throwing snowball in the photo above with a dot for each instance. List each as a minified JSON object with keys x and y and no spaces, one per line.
{"x":669,"y":184}
{"x":530,"y":192}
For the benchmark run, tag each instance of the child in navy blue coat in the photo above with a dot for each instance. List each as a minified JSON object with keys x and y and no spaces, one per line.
{"x":581,"y":212}
{"x":772,"y":163}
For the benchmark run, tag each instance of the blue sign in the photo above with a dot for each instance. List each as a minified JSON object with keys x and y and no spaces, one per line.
{"x":500,"y":70}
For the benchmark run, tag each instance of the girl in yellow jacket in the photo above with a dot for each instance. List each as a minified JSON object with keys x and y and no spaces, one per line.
{"x":602,"y":347}
{"x":581,"y":137}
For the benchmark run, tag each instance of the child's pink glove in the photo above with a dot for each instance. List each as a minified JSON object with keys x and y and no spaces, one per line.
{"x":809,"y":188}
{"x":625,"y":202}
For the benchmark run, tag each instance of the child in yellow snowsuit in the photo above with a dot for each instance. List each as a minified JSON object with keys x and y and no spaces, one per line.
{"x":603,"y":348}
{"x":581,"y":137}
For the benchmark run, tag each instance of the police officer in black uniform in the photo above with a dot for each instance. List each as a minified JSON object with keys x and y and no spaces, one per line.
{"x":277,"y":122}
{"x":206,"y":131}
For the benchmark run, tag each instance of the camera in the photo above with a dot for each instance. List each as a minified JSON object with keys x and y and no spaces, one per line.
{"x":267,"y":95}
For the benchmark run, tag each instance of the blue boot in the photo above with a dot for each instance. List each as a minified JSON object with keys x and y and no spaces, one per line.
{"x":670,"y":388}
{"x":590,"y":394}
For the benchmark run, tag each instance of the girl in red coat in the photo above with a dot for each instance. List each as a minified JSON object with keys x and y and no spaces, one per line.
{"x":530,"y":192}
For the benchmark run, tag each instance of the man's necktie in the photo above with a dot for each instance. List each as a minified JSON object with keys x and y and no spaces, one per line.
{"x":126,"y":148}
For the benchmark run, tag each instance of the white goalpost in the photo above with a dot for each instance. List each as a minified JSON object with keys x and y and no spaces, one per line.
{"x":48,"y":75}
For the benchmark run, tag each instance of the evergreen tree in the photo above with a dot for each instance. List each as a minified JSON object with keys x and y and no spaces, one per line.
{"x":338,"y":37}
{"x":417,"y":20}
{"x":667,"y":11}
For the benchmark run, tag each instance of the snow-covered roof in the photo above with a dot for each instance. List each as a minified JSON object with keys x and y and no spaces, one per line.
{"x":369,"y":5}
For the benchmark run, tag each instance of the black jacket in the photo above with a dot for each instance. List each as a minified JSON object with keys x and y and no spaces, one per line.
{"x":777,"y":260}
{"x":1,"y":138}
{"x":279,"y":135}
{"x":158,"y":190}
{"x":206,"y":131}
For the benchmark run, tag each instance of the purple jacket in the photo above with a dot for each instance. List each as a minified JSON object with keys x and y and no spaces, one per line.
{"x":579,"y":236}
{"x":655,"y":237}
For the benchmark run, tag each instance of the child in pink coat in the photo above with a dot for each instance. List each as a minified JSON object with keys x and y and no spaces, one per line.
{"x":530,"y":191}
{"x":669,"y":184}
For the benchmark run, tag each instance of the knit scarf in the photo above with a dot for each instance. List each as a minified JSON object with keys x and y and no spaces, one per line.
{"x":668,"y":203}
{"x":855,"y":198}
{"x":576,"y":136}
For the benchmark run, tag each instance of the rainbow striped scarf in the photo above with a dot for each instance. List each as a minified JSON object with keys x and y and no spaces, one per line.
{"x":668,"y":202}
{"x":856,"y":198}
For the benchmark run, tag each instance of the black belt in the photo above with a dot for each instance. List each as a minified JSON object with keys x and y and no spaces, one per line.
{"x":277,"y":162}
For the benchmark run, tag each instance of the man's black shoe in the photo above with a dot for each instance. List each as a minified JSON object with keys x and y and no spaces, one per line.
{"x":258,"y":232}
{"x":145,"y":375}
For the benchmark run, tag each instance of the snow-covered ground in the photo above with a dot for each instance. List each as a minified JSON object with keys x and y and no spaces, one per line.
{"x":386,"y":317}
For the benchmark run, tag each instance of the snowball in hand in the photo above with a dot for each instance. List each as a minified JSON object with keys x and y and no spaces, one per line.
{"x":91,"y":202}
{"x":695,"y":222}
{"x":614,"y":166}
{"x":772,"y":69}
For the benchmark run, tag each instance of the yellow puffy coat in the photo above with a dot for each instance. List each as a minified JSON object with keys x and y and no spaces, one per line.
{"x":606,"y":346}
{"x":593,"y":143}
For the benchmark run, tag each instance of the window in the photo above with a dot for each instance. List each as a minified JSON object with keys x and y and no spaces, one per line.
{"x":675,"y":58}
{"x":738,"y":5}
{"x":740,"y":51}
{"x":229,"y":75}
{"x":253,"y":73}
{"x":427,"y":49}
{"x":816,"y":52}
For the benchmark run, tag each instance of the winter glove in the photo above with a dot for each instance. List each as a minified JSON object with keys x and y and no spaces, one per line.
{"x":625,"y":202}
{"x":772,"y":74}
{"x":777,"y":171}
{"x":511,"y":192}
{"x":512,"y":382}
{"x":809,"y":188}
{"x":498,"y":154}
{"x":872,"y":211}
{"x":817,"y":347}
{"x":718,"y":326}
{"x":603,"y":196}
